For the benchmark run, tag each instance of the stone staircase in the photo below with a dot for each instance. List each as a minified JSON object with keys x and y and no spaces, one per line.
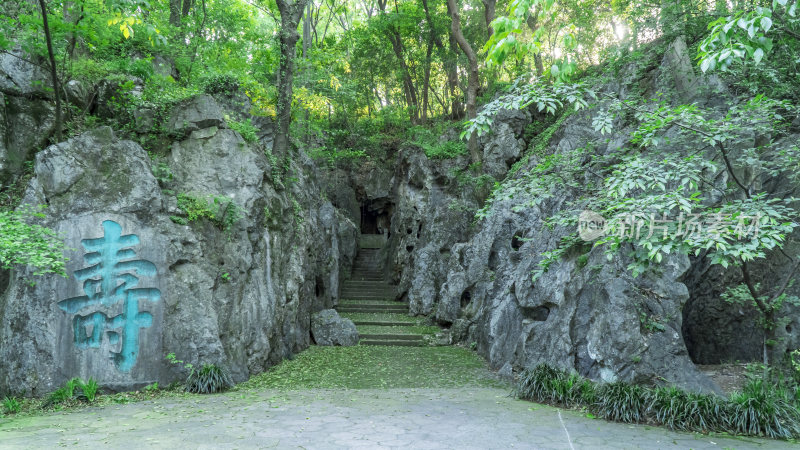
{"x":368,"y":299}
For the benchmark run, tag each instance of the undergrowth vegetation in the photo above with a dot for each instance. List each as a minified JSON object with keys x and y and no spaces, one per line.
{"x":372,"y":367}
{"x":764,"y":407}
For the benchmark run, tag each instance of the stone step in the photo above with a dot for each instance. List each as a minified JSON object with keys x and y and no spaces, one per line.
{"x":377,"y":293}
{"x":368,"y":283}
{"x":352,"y":296}
{"x":348,"y":301}
{"x":395,"y":343}
{"x":372,"y":309}
{"x":372,"y":286}
{"x":392,"y":337}
{"x":365,"y":272}
{"x":383,"y":323}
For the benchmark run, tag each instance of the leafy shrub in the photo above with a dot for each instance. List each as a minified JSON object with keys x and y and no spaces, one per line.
{"x":221,"y":211}
{"x":245,"y":128}
{"x":208,"y":380}
{"x":428,"y":140}
{"x":11,"y":405}
{"x":550,"y":385}
{"x":220,"y":84}
{"x":30,"y":244}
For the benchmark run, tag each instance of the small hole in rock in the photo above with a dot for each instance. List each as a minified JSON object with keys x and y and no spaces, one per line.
{"x":409,"y":248}
{"x":466,"y":297}
{"x":537,"y":314}
{"x":516,"y":241}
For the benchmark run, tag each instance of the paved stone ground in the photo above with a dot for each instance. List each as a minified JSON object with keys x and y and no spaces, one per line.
{"x":465,"y":418}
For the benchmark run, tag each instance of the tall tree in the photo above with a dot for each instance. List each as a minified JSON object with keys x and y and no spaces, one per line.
{"x":449,"y":63}
{"x":291,"y":12}
{"x":178,"y":9}
{"x":53,"y":72}
{"x":488,"y":14}
{"x":472,"y":74}
{"x":410,"y":91}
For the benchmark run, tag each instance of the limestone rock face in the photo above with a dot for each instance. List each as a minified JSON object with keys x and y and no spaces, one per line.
{"x":586,"y":313}
{"x":195,"y":114}
{"x":330,"y":329}
{"x":26,"y":125}
{"x":18,"y":76}
{"x":140,"y":285}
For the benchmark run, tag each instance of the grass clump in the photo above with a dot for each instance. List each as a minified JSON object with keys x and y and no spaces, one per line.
{"x":210,"y":379}
{"x":11,"y":405}
{"x":762,"y":408}
{"x":549,"y":385}
{"x":74,"y":390}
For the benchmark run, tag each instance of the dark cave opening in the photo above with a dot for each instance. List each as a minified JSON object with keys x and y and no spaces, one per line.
{"x":376,"y":217}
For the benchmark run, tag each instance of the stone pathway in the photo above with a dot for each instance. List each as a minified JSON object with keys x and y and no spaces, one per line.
{"x":367,"y":294}
{"x":464,"y":418}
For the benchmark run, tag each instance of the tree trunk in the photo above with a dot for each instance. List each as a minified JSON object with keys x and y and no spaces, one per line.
{"x":426,"y":79}
{"x":53,"y":72}
{"x":175,"y":12}
{"x":488,"y":14}
{"x":73,"y":14}
{"x":187,"y":7}
{"x":408,"y":83}
{"x":288,"y":37}
{"x":532,"y":22}
{"x":306,"y":31}
{"x":472,"y":80}
{"x":449,"y":63}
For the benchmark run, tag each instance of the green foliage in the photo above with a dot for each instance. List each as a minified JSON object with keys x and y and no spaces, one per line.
{"x":746,"y":34}
{"x":245,"y":128}
{"x":153,"y":387}
{"x":90,"y":389}
{"x":548,"y":98}
{"x":23,"y":243}
{"x":210,"y":379}
{"x":435,"y":148}
{"x":548,"y":385}
{"x":684,"y":411}
{"x":163,"y":173}
{"x":74,"y":389}
{"x":223,"y":83}
{"x":220,"y":211}
{"x":376,"y":367}
{"x":11,"y":405}
{"x":762,"y":408}
{"x":621,"y":402}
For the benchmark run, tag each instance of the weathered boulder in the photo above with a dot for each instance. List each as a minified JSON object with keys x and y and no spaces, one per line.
{"x":239,"y":294}
{"x":20,"y":76}
{"x":78,"y":94}
{"x":113,"y":94}
{"x":195,"y":114}
{"x":328,"y":328}
{"x":26,"y":128}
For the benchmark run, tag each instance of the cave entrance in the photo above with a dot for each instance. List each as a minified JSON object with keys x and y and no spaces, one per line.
{"x":376,"y":217}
